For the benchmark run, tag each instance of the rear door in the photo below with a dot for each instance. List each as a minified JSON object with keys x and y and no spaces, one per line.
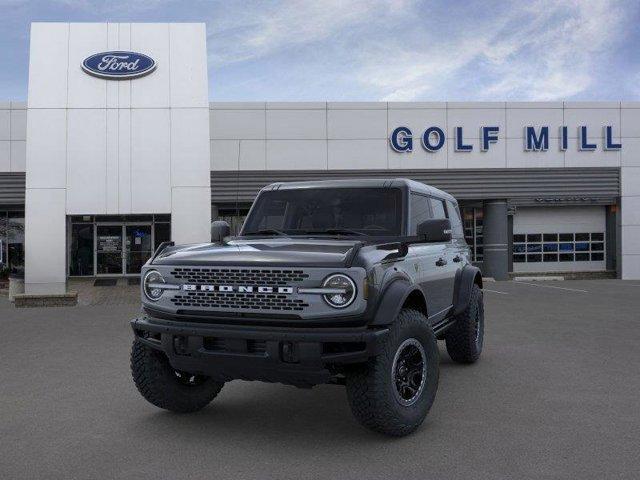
{"x":447,"y":262}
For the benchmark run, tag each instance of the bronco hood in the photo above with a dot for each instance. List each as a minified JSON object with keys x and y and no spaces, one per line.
{"x":296,"y":252}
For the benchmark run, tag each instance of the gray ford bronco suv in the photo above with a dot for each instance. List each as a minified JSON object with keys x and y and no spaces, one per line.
{"x":349,"y":282}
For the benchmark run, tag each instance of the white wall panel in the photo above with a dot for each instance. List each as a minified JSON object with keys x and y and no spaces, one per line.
{"x":190,"y":165}
{"x":18,"y":124}
{"x":112,"y":162}
{"x":630,"y":211}
{"x":517,"y":157}
{"x":357,"y":154}
{"x":45,"y":241}
{"x":150,"y":161}
{"x":47,"y":148}
{"x":296,"y":124}
{"x":124,"y":161}
{"x":631,"y":239}
{"x":296,"y":154}
{"x":191,"y":215}
{"x":418,"y":120}
{"x":495,"y":157}
{"x":124,"y":86}
{"x":86,"y":161}
{"x":5,"y":124}
{"x":188,"y":53}
{"x":630,"y":267}
{"x":18,"y":156}
{"x":418,"y":158}
{"x":253,"y":155}
{"x":224,"y":154}
{"x":519,"y":118}
{"x":113,"y":43}
{"x":598,"y":158}
{"x":356,"y":124}
{"x":86,"y":91}
{"x":630,"y":120}
{"x":630,"y":153}
{"x":237,"y":124}
{"x":592,"y":118}
{"x":630,"y":181}
{"x":5,"y":156}
{"x":471,"y":119}
{"x":48,"y":62}
{"x":152,"y":91}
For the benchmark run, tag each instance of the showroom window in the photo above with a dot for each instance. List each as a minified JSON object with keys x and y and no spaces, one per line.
{"x":558,"y":247}
{"x":472,"y":222}
{"x":11,"y":242}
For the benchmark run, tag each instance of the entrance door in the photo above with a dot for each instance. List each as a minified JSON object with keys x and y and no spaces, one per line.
{"x":109,"y":250}
{"x":138,"y":247}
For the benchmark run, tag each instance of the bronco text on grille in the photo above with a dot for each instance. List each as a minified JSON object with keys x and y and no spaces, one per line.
{"x":246,"y":289}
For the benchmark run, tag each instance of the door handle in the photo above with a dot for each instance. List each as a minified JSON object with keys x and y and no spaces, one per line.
{"x":441,"y":262}
{"x":457,"y":259}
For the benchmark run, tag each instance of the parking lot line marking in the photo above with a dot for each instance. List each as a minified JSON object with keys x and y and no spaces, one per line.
{"x":494,"y":291}
{"x":551,"y":286}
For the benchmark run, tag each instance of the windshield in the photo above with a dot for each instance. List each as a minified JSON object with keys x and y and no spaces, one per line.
{"x":334,"y":211}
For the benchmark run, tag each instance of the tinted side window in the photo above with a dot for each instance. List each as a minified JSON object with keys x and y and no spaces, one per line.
{"x":437,"y":206}
{"x":456,"y":221}
{"x":419,"y":212}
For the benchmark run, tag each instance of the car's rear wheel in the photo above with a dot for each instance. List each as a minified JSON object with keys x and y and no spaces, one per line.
{"x":168,"y":388}
{"x":466,"y":337}
{"x":393,"y":392}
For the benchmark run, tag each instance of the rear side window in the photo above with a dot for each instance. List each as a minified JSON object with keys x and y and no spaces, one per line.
{"x":419,"y":212}
{"x":456,"y":221}
{"x":437,"y":206}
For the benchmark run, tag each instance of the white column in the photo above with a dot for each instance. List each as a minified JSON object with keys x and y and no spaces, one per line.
{"x":630,"y":191}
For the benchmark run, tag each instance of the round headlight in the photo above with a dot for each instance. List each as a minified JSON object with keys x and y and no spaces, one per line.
{"x":344,"y":290}
{"x":150,"y":285}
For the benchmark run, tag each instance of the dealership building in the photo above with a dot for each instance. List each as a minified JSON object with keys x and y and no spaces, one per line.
{"x":117,"y":148}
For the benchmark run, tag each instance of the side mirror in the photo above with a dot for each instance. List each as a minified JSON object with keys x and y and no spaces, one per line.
{"x":219,"y":230}
{"x":435,"y":230}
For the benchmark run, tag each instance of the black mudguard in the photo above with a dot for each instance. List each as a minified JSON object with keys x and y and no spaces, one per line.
{"x":393,"y":297}
{"x":465,"y":278}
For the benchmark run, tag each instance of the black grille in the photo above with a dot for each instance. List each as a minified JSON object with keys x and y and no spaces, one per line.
{"x":236,"y":276}
{"x":240,"y":301}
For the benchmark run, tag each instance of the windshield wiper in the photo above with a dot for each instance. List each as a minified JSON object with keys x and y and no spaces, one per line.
{"x":268,"y":231}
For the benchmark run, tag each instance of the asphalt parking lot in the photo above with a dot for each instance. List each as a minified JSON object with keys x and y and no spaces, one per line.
{"x":555,"y":395}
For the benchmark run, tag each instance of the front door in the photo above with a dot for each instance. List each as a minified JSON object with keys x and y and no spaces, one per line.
{"x":109,"y":258}
{"x":122,"y":249}
{"x":138,"y":247}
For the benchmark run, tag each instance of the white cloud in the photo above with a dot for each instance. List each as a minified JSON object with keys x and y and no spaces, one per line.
{"x":546,"y":51}
{"x":243,"y":34}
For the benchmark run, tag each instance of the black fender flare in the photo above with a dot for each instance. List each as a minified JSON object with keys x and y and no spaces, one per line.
{"x":393,"y":298}
{"x":466,"y":277}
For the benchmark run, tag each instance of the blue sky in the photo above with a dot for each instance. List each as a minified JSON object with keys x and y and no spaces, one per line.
{"x":363,"y":50}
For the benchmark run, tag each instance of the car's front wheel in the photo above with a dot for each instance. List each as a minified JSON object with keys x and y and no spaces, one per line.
{"x":165,"y":387}
{"x":393,"y":392}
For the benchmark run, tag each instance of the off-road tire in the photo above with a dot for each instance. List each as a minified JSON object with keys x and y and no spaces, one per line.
{"x":370,"y":386}
{"x":160,"y":385}
{"x":464,"y":345}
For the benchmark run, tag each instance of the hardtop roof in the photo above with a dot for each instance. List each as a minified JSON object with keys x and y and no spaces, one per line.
{"x":363,"y":183}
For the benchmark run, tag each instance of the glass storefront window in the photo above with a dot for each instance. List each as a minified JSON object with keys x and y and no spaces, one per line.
{"x":472,"y":219}
{"x":103,"y":246}
{"x":15,"y":242}
{"x":563,"y":247}
{"x":81,"y":251}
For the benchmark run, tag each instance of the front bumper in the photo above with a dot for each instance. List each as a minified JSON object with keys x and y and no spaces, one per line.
{"x":296,"y":356}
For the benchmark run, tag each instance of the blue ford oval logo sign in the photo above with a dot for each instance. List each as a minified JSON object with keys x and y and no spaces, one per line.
{"x":118,"y":65}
